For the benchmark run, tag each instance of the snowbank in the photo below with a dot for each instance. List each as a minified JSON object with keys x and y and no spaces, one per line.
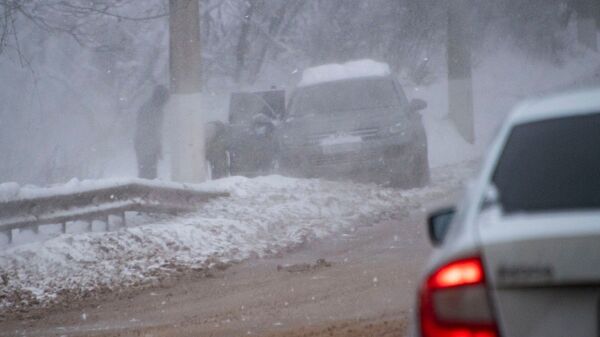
{"x":13,"y":191}
{"x":263,"y":216}
{"x":336,"y":72}
{"x":9,"y":191}
{"x":445,"y":144}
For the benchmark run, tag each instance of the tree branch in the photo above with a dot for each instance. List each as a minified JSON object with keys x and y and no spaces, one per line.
{"x":106,"y":12}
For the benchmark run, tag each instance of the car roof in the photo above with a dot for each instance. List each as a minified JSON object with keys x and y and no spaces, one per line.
{"x":334,"y":72}
{"x":573,"y":103}
{"x":345,"y":80}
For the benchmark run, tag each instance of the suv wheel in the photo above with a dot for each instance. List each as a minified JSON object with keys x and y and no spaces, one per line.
{"x":410,"y":169}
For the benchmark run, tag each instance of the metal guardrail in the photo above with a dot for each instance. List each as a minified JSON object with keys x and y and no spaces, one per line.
{"x":98,"y":204}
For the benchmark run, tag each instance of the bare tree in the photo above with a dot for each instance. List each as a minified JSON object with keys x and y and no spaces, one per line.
{"x":241,"y":51}
{"x":587,"y":14}
{"x":76,"y":18}
{"x":460,"y":80}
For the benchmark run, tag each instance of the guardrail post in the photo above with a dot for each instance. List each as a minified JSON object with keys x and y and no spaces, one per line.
{"x":63,"y":227}
{"x":9,"y":234}
{"x":119,"y":222}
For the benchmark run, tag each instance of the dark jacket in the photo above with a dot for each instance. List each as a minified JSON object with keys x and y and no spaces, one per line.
{"x":148,"y":132}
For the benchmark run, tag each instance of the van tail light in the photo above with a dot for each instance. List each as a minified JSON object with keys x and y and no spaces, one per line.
{"x":454,"y":302}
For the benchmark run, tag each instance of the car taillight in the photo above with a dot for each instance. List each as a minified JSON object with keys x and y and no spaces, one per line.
{"x":454,"y":302}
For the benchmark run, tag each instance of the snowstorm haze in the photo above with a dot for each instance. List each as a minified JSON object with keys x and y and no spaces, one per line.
{"x":275,"y":167}
{"x":73,"y":76}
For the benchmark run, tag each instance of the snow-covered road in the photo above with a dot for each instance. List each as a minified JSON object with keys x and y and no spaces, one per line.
{"x":263,"y":217}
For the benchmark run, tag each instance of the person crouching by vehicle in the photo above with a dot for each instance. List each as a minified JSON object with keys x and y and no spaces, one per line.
{"x":148,"y":147}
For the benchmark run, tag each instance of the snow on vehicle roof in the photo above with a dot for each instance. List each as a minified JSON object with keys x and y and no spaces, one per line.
{"x":562,"y":105}
{"x":336,"y":72}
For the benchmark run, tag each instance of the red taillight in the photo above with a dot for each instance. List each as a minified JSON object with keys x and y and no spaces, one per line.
{"x":454,"y":302}
{"x":459,"y":273}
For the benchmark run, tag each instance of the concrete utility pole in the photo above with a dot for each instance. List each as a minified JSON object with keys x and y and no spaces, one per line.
{"x":184,"y":119}
{"x":460,"y":82}
{"x":587,"y":16}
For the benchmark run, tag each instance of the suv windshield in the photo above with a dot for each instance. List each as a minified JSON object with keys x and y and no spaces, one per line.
{"x":551,"y":165}
{"x":348,"y":95}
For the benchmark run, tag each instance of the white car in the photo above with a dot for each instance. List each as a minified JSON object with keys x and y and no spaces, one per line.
{"x":520,"y":257}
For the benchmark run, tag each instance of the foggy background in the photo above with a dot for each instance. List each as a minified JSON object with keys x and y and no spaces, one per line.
{"x":73,"y":74}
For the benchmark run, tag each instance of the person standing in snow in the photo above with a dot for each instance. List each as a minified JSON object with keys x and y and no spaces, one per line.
{"x":148,"y":136}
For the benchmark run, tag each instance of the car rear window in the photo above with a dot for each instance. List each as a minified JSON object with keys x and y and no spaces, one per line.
{"x":552,"y":165}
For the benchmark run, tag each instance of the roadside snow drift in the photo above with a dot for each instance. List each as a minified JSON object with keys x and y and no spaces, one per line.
{"x":13,"y":191}
{"x":263,"y":216}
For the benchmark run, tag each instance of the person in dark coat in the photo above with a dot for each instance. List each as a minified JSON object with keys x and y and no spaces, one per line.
{"x":148,"y":135}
